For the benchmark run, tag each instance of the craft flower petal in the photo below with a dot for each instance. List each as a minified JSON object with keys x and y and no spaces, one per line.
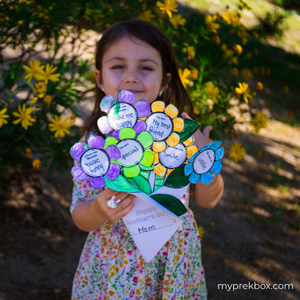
{"x":143,"y":108}
{"x":113,"y":171}
{"x":107,"y":102}
{"x":126,"y":96}
{"x":77,"y":150}
{"x":96,"y":142}
{"x":78,"y":173}
{"x":97,"y":182}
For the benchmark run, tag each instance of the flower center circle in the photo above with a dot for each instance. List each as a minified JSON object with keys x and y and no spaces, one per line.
{"x":122,"y":115}
{"x":160,"y":126}
{"x":173,"y":157}
{"x":95,"y":162}
{"x":204,"y":161}
{"x":131,"y":152}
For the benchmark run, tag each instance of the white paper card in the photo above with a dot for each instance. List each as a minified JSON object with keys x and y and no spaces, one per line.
{"x":150,"y":227}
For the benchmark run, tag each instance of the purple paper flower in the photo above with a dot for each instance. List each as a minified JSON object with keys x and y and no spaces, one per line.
{"x":95,"y":161}
{"x":121,"y":113}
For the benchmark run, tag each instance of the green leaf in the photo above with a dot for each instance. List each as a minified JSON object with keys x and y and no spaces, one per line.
{"x":177,"y":179}
{"x":120,"y":185}
{"x":145,"y":168}
{"x":141,"y":183}
{"x":171,"y":203}
{"x":190,"y":127}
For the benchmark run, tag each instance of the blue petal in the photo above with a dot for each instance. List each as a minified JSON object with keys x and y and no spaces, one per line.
{"x":216,"y":145}
{"x":194,"y":178}
{"x":219,"y":153}
{"x":206,"y":178}
{"x":188,"y":169}
{"x":205,"y":147}
{"x":217,"y":167}
{"x":193,"y":157}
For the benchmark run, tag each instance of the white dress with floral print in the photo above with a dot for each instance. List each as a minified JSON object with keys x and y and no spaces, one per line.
{"x":111,"y":266}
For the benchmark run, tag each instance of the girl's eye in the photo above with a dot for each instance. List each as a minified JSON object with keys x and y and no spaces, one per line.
{"x":117,"y":67}
{"x":146,"y":68}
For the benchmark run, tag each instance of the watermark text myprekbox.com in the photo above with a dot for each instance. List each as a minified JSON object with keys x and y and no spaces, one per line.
{"x":255,"y":286}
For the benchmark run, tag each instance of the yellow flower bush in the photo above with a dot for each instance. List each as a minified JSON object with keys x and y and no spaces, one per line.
{"x":211,"y":90}
{"x":36,"y":164}
{"x":178,"y":20}
{"x":35,"y":70}
{"x":210,"y":23}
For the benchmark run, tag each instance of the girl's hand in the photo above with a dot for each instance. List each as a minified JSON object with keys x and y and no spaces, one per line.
{"x":123,"y":208}
{"x":201,"y":138}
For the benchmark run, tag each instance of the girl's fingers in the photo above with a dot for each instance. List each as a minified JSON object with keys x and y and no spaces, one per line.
{"x":206,"y":131}
{"x":123,"y":208}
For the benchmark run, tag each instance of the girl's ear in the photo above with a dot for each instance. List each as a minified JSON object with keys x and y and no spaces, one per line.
{"x":165,"y":86}
{"x":98,"y":77}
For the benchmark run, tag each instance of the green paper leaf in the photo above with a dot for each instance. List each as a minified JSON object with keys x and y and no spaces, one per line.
{"x":190,"y":127}
{"x":141,"y":183}
{"x":145,"y":168}
{"x":177,"y":179}
{"x":120,"y":185}
{"x":171,"y":203}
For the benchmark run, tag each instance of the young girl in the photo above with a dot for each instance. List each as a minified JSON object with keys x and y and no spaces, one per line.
{"x":134,"y":55}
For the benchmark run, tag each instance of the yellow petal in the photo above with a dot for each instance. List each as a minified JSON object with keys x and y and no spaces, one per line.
{"x":169,"y":171}
{"x":159,"y":146}
{"x":173,"y":140}
{"x":190,"y":151}
{"x":178,"y":124}
{"x":156,"y":158}
{"x":160,"y":170}
{"x":189,"y":141}
{"x":158,"y":106}
{"x":171,"y":111}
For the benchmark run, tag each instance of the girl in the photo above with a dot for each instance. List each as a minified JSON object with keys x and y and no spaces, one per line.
{"x":134,"y":55}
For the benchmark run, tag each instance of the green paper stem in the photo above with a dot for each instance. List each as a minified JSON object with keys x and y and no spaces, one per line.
{"x":190,"y":127}
{"x":177,"y":179}
{"x":120,"y":185}
{"x":140,"y":183}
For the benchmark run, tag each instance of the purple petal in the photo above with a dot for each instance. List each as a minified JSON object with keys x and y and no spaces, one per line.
{"x":113,"y":152}
{"x":98,"y":182}
{"x":96,"y":142}
{"x":139,"y":127}
{"x":78,"y":173}
{"x":143,"y":108}
{"x":107,"y":102}
{"x":113,"y":171}
{"x":115,"y":134}
{"x":77,"y":150}
{"x":103,"y":125}
{"x":126,"y":96}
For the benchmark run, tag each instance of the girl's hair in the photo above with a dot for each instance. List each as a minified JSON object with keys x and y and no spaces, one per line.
{"x":139,"y":30}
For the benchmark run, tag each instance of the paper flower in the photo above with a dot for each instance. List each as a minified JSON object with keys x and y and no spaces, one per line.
{"x":134,"y":153}
{"x":173,"y":157}
{"x":96,"y":161}
{"x":204,"y":162}
{"x":122,"y":113}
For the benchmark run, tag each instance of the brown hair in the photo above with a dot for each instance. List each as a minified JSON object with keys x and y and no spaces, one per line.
{"x":146,"y":32}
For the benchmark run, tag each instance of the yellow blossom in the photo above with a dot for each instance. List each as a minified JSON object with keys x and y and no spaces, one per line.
{"x":28,"y":152}
{"x":3,"y":116}
{"x":286,"y":89}
{"x":24,"y":116}
{"x":72,"y":119}
{"x":211,"y":91}
{"x":255,"y":70}
{"x":209,"y":21}
{"x":236,"y":152}
{"x":60,"y":126}
{"x":191,"y":52}
{"x":244,"y":90}
{"x":255,"y":34}
{"x":238,"y":49}
{"x":184,"y":76}
{"x":34,"y":70}
{"x":228,"y":53}
{"x":34,"y":100}
{"x":235,"y":72}
{"x":47,"y":74}
{"x":231,"y":18}
{"x":248,"y":55}
{"x":234,"y":60}
{"x":20,"y":22}
{"x":247,"y":73}
{"x":196,"y":110}
{"x":259,"y":121}
{"x":167,"y":7}
{"x":194,"y":74}
{"x":259,"y":86}
{"x":216,"y":39}
{"x":178,"y":20}
{"x":48,"y":99}
{"x":36,"y":164}
{"x":146,"y":15}
{"x":201,"y":232}
{"x":254,"y":94}
{"x":41,"y":87}
{"x":223,"y":47}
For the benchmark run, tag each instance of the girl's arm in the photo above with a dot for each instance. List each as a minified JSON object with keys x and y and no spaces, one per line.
{"x":89,"y":216}
{"x":206,"y":195}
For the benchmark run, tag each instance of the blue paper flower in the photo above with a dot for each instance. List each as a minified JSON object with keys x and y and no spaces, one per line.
{"x":204,"y":163}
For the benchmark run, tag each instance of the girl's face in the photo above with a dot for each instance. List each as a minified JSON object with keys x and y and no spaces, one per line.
{"x":133,"y":66}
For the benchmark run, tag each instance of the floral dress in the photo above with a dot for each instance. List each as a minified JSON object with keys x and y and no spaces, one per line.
{"x":111,"y":267}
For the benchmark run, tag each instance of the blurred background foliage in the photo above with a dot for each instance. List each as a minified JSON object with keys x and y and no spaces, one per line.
{"x":39,"y":96}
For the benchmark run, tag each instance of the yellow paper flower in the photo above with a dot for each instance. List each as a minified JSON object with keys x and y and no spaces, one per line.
{"x":34,"y":70}
{"x":201,"y":232}
{"x":259,"y":86}
{"x":36,"y":164}
{"x":178,"y":20}
{"x":247,"y":73}
{"x":28,"y":152}
{"x":235,"y":72}
{"x":211,"y":91}
{"x":145,"y":16}
{"x":60,"y":126}
{"x":236,"y":152}
{"x":24,"y":116}
{"x":48,"y":99}
{"x":244,"y":90}
{"x":47,"y":74}
{"x":259,"y":121}
{"x":184,"y":76}
{"x":3,"y":116}
{"x":167,"y":7}
{"x":210,"y":23}
{"x":238,"y":49}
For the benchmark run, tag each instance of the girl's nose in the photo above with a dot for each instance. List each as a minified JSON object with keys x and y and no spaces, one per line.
{"x":131,"y":76}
